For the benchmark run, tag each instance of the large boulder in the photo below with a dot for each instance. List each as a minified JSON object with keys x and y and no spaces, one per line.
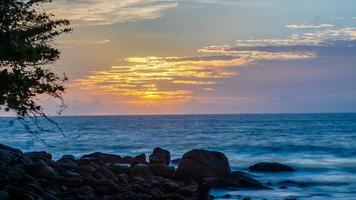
{"x":160,"y":169}
{"x":4,"y":147}
{"x":160,"y":155}
{"x":105,"y":157}
{"x":198,"y":164}
{"x":270,"y":167}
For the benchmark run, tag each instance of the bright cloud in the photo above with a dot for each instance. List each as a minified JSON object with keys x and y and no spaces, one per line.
{"x":309,"y":26}
{"x":308,"y":38}
{"x":173,"y":80}
{"x":104,"y":12}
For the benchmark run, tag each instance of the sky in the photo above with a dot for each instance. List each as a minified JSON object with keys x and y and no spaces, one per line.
{"x":207,"y":56}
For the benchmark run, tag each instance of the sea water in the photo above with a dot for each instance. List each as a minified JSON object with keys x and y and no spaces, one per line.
{"x":321,"y":147}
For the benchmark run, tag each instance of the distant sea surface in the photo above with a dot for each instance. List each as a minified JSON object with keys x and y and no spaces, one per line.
{"x":321,"y":147}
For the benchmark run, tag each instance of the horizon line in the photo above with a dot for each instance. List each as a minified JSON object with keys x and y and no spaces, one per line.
{"x":188,"y":114}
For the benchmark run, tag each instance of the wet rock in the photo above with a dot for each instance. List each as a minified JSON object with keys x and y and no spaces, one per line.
{"x":174,"y":196}
{"x":140,"y":159}
{"x":161,"y":156}
{"x":13,"y":173}
{"x":127,"y":160}
{"x":161,"y":169}
{"x":41,"y":155}
{"x":243,"y":180}
{"x":40,"y":169}
{"x":141,"y":170}
{"x":6,"y":156}
{"x":67,"y":162}
{"x":169,"y":186}
{"x":4,"y":195}
{"x":176,"y":161}
{"x":119,"y":169}
{"x":107,"y":158}
{"x":86,"y":192}
{"x":198,"y":164}
{"x":123,"y":179}
{"x":4,"y":147}
{"x":106,"y":172}
{"x":70,"y":182}
{"x":270,"y":167}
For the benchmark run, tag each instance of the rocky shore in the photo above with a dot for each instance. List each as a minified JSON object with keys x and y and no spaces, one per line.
{"x":34,"y":175}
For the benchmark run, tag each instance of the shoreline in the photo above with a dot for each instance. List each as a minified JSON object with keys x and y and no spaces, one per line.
{"x":35,"y":175}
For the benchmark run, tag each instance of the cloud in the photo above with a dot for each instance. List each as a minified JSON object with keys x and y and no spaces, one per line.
{"x":308,"y":38}
{"x":174,"y":80}
{"x":309,"y":26}
{"x":84,"y":42}
{"x":236,"y":2}
{"x":104,"y":12}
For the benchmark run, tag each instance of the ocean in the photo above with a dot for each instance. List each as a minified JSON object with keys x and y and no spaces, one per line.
{"x":321,"y":147}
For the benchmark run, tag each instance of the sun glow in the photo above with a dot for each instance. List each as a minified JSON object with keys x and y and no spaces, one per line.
{"x":172,"y":81}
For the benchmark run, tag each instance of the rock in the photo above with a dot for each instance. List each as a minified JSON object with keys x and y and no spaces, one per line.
{"x":67,"y":158}
{"x":199,"y":164}
{"x":176,"y":161}
{"x":123,"y":179}
{"x":106,"y":172}
{"x":67,"y":162}
{"x":70,"y":182}
{"x":160,"y":155}
{"x":237,"y":179}
{"x":270,"y":167}
{"x":140,"y":159}
{"x":141,"y":170}
{"x":156,"y":193}
{"x":127,"y":160}
{"x":13,"y":173}
{"x":119,"y":168}
{"x":4,"y":147}
{"x":86,"y":191}
{"x":174,"y":196}
{"x":41,"y":155}
{"x":107,"y":158}
{"x":6,"y":157}
{"x":4,"y":195}
{"x":40,"y":169}
{"x":160,"y":169}
{"x":169,"y":186}
{"x":86,"y":169}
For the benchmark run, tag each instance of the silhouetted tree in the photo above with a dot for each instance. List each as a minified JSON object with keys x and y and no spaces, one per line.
{"x":26,"y":52}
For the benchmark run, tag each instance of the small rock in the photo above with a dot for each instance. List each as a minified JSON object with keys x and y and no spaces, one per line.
{"x":41,"y":155}
{"x":140,"y":159}
{"x":141,"y":170}
{"x":123,"y":178}
{"x":105,"y":172}
{"x":119,"y":168}
{"x":169,"y":186}
{"x":40,"y":169}
{"x":161,"y":169}
{"x":4,"y":195}
{"x":87,"y":192}
{"x":270,"y":167}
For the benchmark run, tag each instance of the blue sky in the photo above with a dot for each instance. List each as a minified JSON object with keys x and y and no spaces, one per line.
{"x":208,"y":56}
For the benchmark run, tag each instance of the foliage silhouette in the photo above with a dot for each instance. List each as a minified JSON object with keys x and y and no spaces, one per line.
{"x":26,"y":53}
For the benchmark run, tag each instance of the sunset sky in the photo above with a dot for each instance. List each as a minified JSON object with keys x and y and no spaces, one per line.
{"x":208,"y":56}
